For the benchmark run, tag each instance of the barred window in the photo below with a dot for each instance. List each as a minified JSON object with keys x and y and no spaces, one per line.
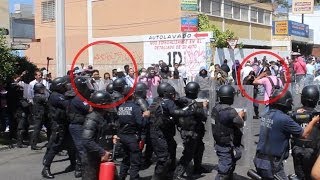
{"x":236,"y":11}
{"x":267,"y":16}
{"x":254,"y":14}
{"x":48,"y":10}
{"x":244,"y":13}
{"x":260,"y":15}
{"x":205,"y":6}
{"x":227,"y":9}
{"x":216,"y":7}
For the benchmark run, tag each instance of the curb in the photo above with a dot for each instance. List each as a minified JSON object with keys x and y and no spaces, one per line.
{"x":3,"y":148}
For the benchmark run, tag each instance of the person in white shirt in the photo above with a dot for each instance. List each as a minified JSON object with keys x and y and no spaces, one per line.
{"x":246,"y":71}
{"x":311,"y":70}
{"x":38,"y":79}
{"x":130,"y":78}
{"x":183,"y":72}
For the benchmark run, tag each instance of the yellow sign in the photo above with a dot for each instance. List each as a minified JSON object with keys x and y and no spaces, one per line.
{"x":302,"y":6}
{"x":281,"y":28}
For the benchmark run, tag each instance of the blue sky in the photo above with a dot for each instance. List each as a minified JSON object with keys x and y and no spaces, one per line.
{"x":12,"y":2}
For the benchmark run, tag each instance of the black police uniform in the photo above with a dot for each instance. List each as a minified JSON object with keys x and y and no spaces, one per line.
{"x":227,"y":136}
{"x":192,"y":132}
{"x":60,"y":138}
{"x":96,"y":138}
{"x":131,"y":122}
{"x":40,"y":117}
{"x":305,"y":151}
{"x":18,"y":111}
{"x":77,"y":111}
{"x":21,"y":111}
{"x":273,"y":146}
{"x":162,"y":132}
{"x":145,"y":135}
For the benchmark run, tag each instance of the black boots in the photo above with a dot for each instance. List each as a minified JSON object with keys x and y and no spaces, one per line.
{"x":78,"y":170}
{"x":46,"y":173}
{"x":20,"y":140}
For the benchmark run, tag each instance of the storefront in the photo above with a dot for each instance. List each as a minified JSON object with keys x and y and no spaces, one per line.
{"x":292,"y":36}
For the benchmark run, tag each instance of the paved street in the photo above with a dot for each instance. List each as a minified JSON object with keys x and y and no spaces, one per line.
{"x":24,"y":164}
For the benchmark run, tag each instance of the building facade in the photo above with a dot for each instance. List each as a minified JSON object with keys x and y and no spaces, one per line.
{"x":4,"y":18}
{"x":129,"y":23}
{"x":250,"y":20}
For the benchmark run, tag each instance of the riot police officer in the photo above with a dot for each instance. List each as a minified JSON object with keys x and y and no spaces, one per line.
{"x":77,"y":111}
{"x":140,"y":95}
{"x":162,"y":133}
{"x":61,"y":137}
{"x":118,"y":88}
{"x":109,"y":88}
{"x":39,"y":115}
{"x":304,"y":151}
{"x":192,"y":131}
{"x":97,"y":136}
{"x":226,"y":132}
{"x":20,"y":113}
{"x":131,"y":122}
{"x":275,"y":130}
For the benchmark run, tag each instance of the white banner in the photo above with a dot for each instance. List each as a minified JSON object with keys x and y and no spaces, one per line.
{"x":185,"y":48}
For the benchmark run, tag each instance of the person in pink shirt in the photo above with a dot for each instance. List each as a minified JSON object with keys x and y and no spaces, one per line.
{"x":300,"y":69}
{"x":263,"y":79}
{"x":152,"y":81}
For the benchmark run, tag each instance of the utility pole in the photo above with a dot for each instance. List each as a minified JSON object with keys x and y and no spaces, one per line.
{"x":60,"y":39}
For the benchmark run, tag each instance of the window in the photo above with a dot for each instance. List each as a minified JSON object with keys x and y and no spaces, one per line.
{"x":253,"y":14}
{"x":236,"y":11}
{"x":227,"y":9}
{"x":244,"y":13}
{"x":267,"y":16}
{"x":216,"y":7}
{"x":260,"y":15}
{"x":205,"y":6}
{"x":48,"y":10}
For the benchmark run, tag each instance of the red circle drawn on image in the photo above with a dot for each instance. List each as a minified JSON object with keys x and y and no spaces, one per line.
{"x":114,"y":104}
{"x":287,"y":78}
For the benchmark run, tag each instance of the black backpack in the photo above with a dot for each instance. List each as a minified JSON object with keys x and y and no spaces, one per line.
{"x":274,"y":87}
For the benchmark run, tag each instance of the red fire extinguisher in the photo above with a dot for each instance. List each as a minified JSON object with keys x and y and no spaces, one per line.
{"x":107,"y":171}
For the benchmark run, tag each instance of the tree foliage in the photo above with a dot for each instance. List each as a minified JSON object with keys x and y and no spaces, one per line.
{"x":11,"y":64}
{"x":219,"y":36}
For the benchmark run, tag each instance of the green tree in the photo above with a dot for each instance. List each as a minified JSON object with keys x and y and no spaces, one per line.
{"x":219,"y":36}
{"x":11,"y":64}
{"x":7,"y":61}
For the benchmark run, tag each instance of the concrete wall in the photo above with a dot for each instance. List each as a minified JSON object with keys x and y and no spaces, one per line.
{"x":4,"y":16}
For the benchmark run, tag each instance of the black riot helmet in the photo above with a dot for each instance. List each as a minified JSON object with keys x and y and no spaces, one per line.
{"x":284,"y":103}
{"x":310,"y":96}
{"x":192,"y":89}
{"x":84,"y":87}
{"x":58,"y":85}
{"x":161,"y":88}
{"x":169,"y":92}
{"x":226,"y":94}
{"x":101,"y":98}
{"x":39,"y":88}
{"x":109,"y":88}
{"x":141,"y":90}
{"x":119,"y":84}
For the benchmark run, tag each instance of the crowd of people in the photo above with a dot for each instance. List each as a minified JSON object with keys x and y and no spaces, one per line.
{"x":146,"y":123}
